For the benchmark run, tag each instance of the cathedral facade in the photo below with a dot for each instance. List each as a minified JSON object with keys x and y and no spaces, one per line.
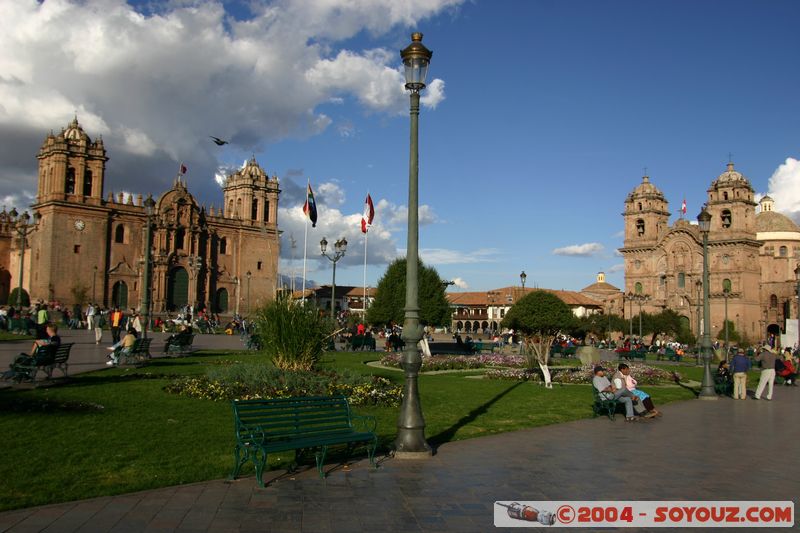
{"x":92,"y":247}
{"x":752,"y":256}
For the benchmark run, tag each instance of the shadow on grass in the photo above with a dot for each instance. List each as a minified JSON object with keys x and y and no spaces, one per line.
{"x":15,"y":404}
{"x":448,"y":434}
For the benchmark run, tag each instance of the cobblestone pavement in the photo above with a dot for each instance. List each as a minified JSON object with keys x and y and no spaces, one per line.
{"x":724,"y":450}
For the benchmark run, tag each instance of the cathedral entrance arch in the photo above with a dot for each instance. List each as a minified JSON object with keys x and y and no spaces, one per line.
{"x":177,"y":288}
{"x":222,"y":301}
{"x":686,"y":324}
{"x":119,"y":295}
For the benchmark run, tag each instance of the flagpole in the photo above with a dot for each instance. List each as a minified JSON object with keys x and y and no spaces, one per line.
{"x":366,"y":237}
{"x":305,"y":253}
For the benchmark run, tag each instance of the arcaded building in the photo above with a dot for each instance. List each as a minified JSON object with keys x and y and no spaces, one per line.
{"x":92,"y":242}
{"x":752,"y":257}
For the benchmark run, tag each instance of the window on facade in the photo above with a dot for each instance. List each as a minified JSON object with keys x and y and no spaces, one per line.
{"x":638,"y":288}
{"x":69,"y":184}
{"x":238,"y":213}
{"x":119,"y":234}
{"x":783,"y":251}
{"x":223,"y":246}
{"x":76,"y":249}
{"x":254,"y":209}
{"x":179,"y":238}
{"x":640,"y":227}
{"x":773,"y":301}
{"x":681,"y":280}
{"x":230,"y":209}
{"x":258,"y":265}
{"x":266,"y":211}
{"x":724,"y":195}
{"x":726,"y":285}
{"x":87,"y":182}
{"x":726,"y":218}
{"x":640,"y":206}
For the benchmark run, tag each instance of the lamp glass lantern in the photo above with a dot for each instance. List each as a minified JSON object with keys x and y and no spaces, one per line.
{"x":416,"y":59}
{"x":704,"y":221}
{"x":522,"y":277}
{"x":323,"y":245}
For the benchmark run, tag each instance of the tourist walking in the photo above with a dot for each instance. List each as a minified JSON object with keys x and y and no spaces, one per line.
{"x":116,"y":323}
{"x":767,"y":379}
{"x":740,"y":365}
{"x":90,"y":314}
{"x":99,"y":323}
{"x":42,"y":318}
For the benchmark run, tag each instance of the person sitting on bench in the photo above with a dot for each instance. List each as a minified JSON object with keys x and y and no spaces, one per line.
{"x":126,"y":343}
{"x":787,"y":370}
{"x":623,"y":379}
{"x":608,"y":392}
{"x":51,"y":338}
{"x":176,"y":338}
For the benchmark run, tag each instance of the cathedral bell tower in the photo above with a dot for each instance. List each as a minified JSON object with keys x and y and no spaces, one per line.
{"x":251,"y":196}
{"x":731,"y":205}
{"x":646,"y":215}
{"x":71,"y":167}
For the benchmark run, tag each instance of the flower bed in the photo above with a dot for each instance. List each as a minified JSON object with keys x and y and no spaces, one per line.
{"x":458,"y":362}
{"x":644,"y":374}
{"x":252,"y":381}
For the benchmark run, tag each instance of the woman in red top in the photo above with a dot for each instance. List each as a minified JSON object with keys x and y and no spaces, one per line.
{"x":789,"y":372}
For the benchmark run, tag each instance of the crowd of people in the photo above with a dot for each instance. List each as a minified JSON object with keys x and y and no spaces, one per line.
{"x":732,"y":376}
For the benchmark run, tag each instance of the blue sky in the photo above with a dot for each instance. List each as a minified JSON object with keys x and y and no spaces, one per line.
{"x":550,"y":112}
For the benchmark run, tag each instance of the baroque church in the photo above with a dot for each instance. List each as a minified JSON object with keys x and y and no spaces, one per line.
{"x":92,"y":242}
{"x":753,"y":252}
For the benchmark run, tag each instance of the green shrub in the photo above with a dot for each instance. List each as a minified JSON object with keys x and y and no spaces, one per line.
{"x":292,"y":334}
{"x":12,"y":298}
{"x":249,"y":381}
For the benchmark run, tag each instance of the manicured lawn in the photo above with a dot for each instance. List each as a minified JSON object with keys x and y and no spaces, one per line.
{"x":117,"y":431}
{"x":8,"y":336}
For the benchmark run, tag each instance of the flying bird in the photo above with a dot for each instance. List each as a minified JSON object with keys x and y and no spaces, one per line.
{"x":218,"y":141}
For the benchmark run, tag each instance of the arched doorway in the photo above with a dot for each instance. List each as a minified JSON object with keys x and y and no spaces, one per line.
{"x":484,"y":326}
{"x":177,"y":288}
{"x":119,"y":295}
{"x":222,"y":301}
{"x":468,"y":327}
{"x":686,"y":324}
{"x":459,"y":325}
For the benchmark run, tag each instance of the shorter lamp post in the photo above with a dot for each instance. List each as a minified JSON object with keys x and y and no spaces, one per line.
{"x":630,"y":299}
{"x":707,"y":391}
{"x":726,"y":292}
{"x":94,"y":283}
{"x":699,"y":285}
{"x":149,"y":206}
{"x":640,"y":299}
{"x":522,"y":277}
{"x":23,"y":227}
{"x":249,"y":275}
{"x":340,"y":248}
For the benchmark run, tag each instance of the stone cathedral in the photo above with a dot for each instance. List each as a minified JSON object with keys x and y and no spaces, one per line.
{"x":752,"y":257}
{"x":225,"y":259}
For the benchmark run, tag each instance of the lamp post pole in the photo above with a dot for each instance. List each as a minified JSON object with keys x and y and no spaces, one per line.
{"x":410,"y":441}
{"x":699,"y":285}
{"x":94,"y":283}
{"x":149,"y":205}
{"x":725,"y":294}
{"x":630,"y":317}
{"x":340,"y":248}
{"x":23,"y":227}
{"x":249,"y":275}
{"x":707,"y":391}
{"x":797,"y":277}
{"x":641,"y":298}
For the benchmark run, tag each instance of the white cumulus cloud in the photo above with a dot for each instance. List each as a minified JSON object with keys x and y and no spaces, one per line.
{"x":784,"y":188}
{"x":460,"y":283}
{"x":580,"y":250}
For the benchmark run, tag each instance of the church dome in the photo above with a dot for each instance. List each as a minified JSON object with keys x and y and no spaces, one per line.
{"x":645,"y":188}
{"x":74,"y":131}
{"x":251,"y":172}
{"x":731,"y":178}
{"x":601,"y":285}
{"x":771,"y":221}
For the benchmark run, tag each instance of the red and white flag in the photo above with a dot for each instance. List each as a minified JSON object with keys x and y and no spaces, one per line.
{"x":183,"y":169}
{"x":369,"y":214}
{"x":683,"y":206}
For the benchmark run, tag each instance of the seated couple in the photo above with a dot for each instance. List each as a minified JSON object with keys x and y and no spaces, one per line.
{"x":124,"y":345}
{"x":622,"y":388}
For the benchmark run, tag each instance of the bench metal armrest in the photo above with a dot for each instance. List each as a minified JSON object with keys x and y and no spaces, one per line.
{"x":253,"y":435}
{"x":364,"y":422}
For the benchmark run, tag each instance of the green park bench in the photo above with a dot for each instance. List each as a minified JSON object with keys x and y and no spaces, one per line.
{"x":21,"y":326}
{"x":630,"y":355}
{"x":602,"y":405}
{"x":362,"y":342}
{"x":46,"y":358}
{"x":60,"y":360}
{"x":481,"y":347}
{"x":180,"y":345}
{"x":300,"y":423}
{"x":450,"y":348}
{"x":135,"y":354}
{"x":563,"y":351}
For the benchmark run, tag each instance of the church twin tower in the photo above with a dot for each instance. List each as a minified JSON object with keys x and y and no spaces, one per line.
{"x":665,"y":262}
{"x":89,"y":247}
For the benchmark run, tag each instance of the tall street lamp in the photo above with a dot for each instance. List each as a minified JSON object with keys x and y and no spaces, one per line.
{"x":640,"y":299}
{"x":630,"y":299}
{"x":699,"y":285}
{"x":94,"y":283}
{"x":249,"y":275}
{"x":340,"y":248}
{"x":23,"y":227}
{"x":522,"y":277}
{"x":707,"y":388}
{"x":149,"y":206}
{"x":797,"y":277}
{"x":410,"y":442}
{"x":726,"y":292}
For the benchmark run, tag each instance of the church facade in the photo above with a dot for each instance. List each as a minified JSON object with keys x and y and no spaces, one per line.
{"x":91,"y":246}
{"x":752,"y":256}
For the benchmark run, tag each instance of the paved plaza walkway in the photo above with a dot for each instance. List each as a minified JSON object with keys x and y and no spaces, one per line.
{"x":724,"y":450}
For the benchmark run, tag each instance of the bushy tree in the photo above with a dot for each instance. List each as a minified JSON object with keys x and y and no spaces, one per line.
{"x":80,"y":293}
{"x":390,"y":299}
{"x":292,"y":334}
{"x":539,"y":317}
{"x":733,"y":335}
{"x":13,"y":297}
